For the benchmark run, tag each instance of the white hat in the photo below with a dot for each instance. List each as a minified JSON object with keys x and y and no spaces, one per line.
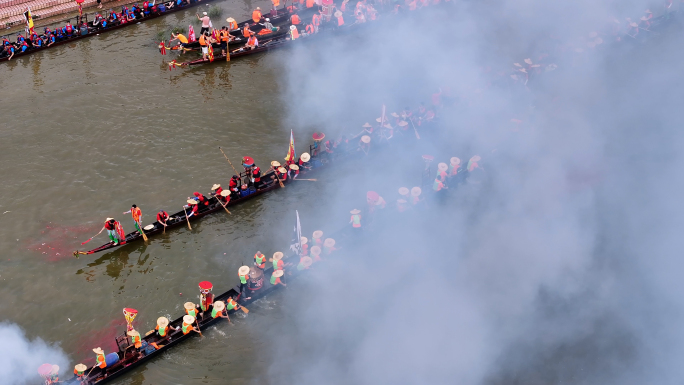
{"x":329,"y":242}
{"x":188,"y":319}
{"x":243,"y":270}
{"x":401,"y":201}
{"x":55,"y":369}
{"x":133,"y":333}
{"x":528,"y":61}
{"x":317,"y":234}
{"x":305,"y":157}
{"x":403,"y":191}
{"x":378,"y":119}
{"x":278,"y":273}
{"x":277,"y":256}
{"x":455,"y":161}
{"x":162,"y":322}
{"x":282,"y":170}
{"x":442,"y":167}
{"x":294,"y":167}
{"x":230,"y":20}
{"x":109,"y":219}
{"x":275,"y":163}
{"x":98,"y":351}
{"x":214,"y":187}
{"x":267,"y":19}
{"x":292,"y":27}
{"x":394,"y":114}
{"x":367,"y":125}
{"x":338,"y":13}
{"x":355,"y":211}
{"x":416,"y":191}
{"x":219,"y":305}
{"x":192,"y":202}
{"x":204,"y":13}
{"x":80,"y":368}
{"x":476,"y":158}
{"x":402,"y":123}
{"x":366,"y":139}
{"x":315,"y":250}
{"x":225,"y":193}
{"x":148,"y":227}
{"x":189,"y":305}
{"x":259,"y":8}
{"x":306,"y":261}
{"x":303,"y":240}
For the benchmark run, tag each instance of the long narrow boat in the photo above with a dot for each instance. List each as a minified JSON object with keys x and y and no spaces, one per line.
{"x":98,"y":31}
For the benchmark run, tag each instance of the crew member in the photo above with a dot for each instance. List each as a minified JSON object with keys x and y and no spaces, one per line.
{"x":162,"y":327}
{"x":305,"y":247}
{"x":243,"y":273}
{"x":224,"y":197}
{"x":316,"y":21}
{"x":256,"y":15}
{"x":68,"y":29}
{"x":234,"y":186}
{"x":216,"y":190}
{"x":110,"y":226}
{"x":294,"y":171}
{"x":206,"y":296}
{"x":206,"y":23}
{"x":278,"y":263}
{"x":162,"y":217}
{"x":355,"y":219}
{"x":304,"y":263}
{"x":217,"y":310}
{"x":309,"y":29}
{"x":224,"y":37}
{"x":282,"y":173}
{"x":190,"y":309}
{"x":415,"y":195}
{"x":316,"y":253}
{"x":256,"y":176}
{"x":204,"y":45}
{"x":303,"y":161}
{"x":201,"y":199}
{"x":437,"y":185}
{"x":294,"y":34}
{"x":267,"y":25}
{"x":246,"y":32}
{"x":79,"y":371}
{"x":454,"y":164}
{"x":472,"y":163}
{"x":100,"y":358}
{"x":135,"y":338}
{"x":294,"y":19}
{"x":137,"y":216}
{"x":187,"y":327}
{"x":329,"y":246}
{"x":252,"y":42}
{"x":195,"y":207}
{"x":231,"y":304}
{"x":259,"y":260}
{"x":232,"y":24}
{"x":317,"y":238}
{"x":275,"y":278}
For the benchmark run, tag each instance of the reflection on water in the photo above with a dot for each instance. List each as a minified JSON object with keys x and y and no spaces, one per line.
{"x":116,"y":263}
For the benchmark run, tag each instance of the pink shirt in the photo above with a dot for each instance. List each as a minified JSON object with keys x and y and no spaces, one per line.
{"x":205,"y":21}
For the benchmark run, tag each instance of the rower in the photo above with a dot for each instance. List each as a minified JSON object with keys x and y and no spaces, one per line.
{"x":256,"y":15}
{"x":162,"y":327}
{"x":182,"y":40}
{"x":472,"y":163}
{"x":364,"y":144}
{"x":402,"y":205}
{"x":137,"y":216}
{"x":216,"y":190}
{"x":275,"y":278}
{"x":252,"y":42}
{"x":234,"y":186}
{"x":355,"y":219}
{"x":195,"y":207}
{"x":187,"y":327}
{"x":224,"y":197}
{"x":206,"y":296}
{"x":304,"y":263}
{"x":305,"y":247}
{"x":415,"y":195}
{"x":278,"y":263}
{"x":162,"y":217}
{"x":340,"y":18}
{"x":294,"y":19}
{"x":201,"y":199}
{"x":231,"y":304}
{"x":316,"y":22}
{"x":224,"y":38}
{"x":217,"y":310}
{"x":256,"y":176}
{"x":79,"y":371}
{"x":294,"y":170}
{"x":260,"y":260}
{"x":282,"y":173}
{"x":232,"y":24}
{"x":190,"y":309}
{"x":135,"y":338}
{"x":110,"y":226}
{"x":100,"y":358}
{"x":303,"y":161}
{"x":246,"y":32}
{"x":437,"y":185}
{"x":267,"y":25}
{"x":316,"y":253}
{"x":309,"y":30}
{"x":317,"y":238}
{"x":243,"y":273}
{"x":404,"y":192}
{"x":442,"y":172}
{"x":275,"y":164}
{"x":454,"y":164}
{"x":204,"y":44}
{"x":294,"y":34}
{"x":68,"y":29}
{"x":329,"y":246}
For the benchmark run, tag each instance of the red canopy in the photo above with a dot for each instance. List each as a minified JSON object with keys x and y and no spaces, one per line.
{"x":248,"y":161}
{"x":206,"y":285}
{"x":372,"y":196}
{"x":318,"y":136}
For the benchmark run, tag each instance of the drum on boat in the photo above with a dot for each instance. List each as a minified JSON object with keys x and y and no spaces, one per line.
{"x":256,"y":278}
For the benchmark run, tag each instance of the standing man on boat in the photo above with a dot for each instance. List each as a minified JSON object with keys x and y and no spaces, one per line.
{"x":260,"y":260}
{"x":234,"y":186}
{"x":256,"y":15}
{"x":356,"y":220}
{"x":206,"y":22}
{"x":137,"y":217}
{"x":243,"y":273}
{"x":256,"y":176}
{"x":110,"y":226}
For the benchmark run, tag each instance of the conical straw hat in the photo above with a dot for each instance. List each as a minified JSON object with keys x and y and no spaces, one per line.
{"x":162,"y":322}
{"x":317,"y":234}
{"x":278,"y":273}
{"x":277,"y":256}
{"x":403,"y":191}
{"x":416,"y":191}
{"x":366,"y":139}
{"x":188,"y":319}
{"x":243,"y":270}
{"x":329,"y":242}
{"x":442,"y":167}
{"x":305,"y":157}
{"x":315,"y":250}
{"x":189,"y":305}
{"x":219,"y":305}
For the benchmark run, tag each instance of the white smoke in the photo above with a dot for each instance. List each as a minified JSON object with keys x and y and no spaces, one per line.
{"x":20,"y":356}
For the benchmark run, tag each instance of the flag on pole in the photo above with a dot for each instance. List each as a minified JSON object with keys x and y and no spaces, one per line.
{"x":296,"y":245}
{"x":210,"y":52}
{"x":191,"y":34}
{"x":162,"y":48}
{"x":291,"y":154}
{"x":29,"y":21}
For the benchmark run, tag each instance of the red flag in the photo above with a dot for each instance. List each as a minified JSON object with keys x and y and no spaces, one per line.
{"x":191,"y":34}
{"x":162,"y":48}
{"x":210,"y":52}
{"x":290,"y":158}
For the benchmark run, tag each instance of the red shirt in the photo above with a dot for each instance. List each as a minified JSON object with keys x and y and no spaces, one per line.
{"x":162,"y":216}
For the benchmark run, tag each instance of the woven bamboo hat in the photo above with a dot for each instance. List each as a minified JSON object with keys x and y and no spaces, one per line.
{"x":303,"y":240}
{"x":282,"y":170}
{"x":401,"y":201}
{"x":294,"y":167}
{"x":243,"y":270}
{"x":476,"y":158}
{"x":55,"y":369}
{"x":192,"y":202}
{"x":394,"y":114}
{"x":442,"y":167}
{"x":225,"y":193}
{"x":329,"y":242}
{"x":278,"y":273}
{"x":528,"y":61}
{"x":455,"y":161}
{"x":275,"y":163}
{"x":188,"y":319}
{"x":80,"y":368}
{"x":306,"y":261}
{"x":277,"y":256}
{"x":366,"y":139}
{"x":378,"y":119}
{"x":416,"y":191}
{"x":367,"y":125}
{"x":305,"y":157}
{"x":230,"y":20}
{"x":162,"y":322}
{"x":355,"y":211}
{"x":109,"y":219}
{"x":219,"y":305}
{"x":403,"y":191}
{"x":315,"y":250}
{"x":402,"y":123}
{"x":148,"y":227}
{"x":189,"y":306}
{"x":214,"y":187}
{"x":133,"y":333}
{"x":98,"y":351}
{"x":317,"y":234}
{"x":338,"y":13}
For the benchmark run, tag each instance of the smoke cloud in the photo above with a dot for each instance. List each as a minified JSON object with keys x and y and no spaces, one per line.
{"x":563,"y":267}
{"x":20,"y":356}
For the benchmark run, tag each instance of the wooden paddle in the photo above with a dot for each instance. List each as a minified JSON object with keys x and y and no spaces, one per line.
{"x":279,"y":181}
{"x":198,"y":328}
{"x":221,"y":203}
{"x":91,"y":238}
{"x":231,"y":165}
{"x":186,"y":218}
{"x":414,"y":129}
{"x":244,"y":309}
{"x":142,"y":231}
